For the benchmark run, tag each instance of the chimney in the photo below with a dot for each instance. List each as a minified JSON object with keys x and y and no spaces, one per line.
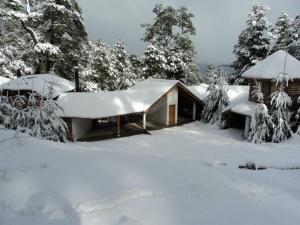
{"x":19,"y":73}
{"x":77,"y":85}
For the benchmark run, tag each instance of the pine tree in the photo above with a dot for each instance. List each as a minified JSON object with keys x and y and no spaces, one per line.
{"x":126,"y":76}
{"x":216,"y":100}
{"x":284,"y":33}
{"x":5,"y":112}
{"x":254,"y":42}
{"x":49,"y":32}
{"x":154,"y":62}
{"x":280,"y":102}
{"x":295,"y":47}
{"x":110,"y":68}
{"x":50,"y":126}
{"x":14,"y":41}
{"x":297,"y":118}
{"x":19,"y":114}
{"x":211,"y":73}
{"x":261,"y":127}
{"x":170,"y":53}
{"x":61,"y":24}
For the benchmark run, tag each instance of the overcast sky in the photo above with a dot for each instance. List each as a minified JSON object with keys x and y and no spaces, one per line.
{"x":218,"y":22}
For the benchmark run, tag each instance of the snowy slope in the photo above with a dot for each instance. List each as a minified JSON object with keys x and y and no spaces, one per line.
{"x":184,"y":175}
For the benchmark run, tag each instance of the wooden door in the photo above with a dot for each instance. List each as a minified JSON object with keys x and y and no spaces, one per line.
{"x":172,"y":114}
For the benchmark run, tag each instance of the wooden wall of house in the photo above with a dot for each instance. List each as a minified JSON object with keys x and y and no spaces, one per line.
{"x":293,"y":90}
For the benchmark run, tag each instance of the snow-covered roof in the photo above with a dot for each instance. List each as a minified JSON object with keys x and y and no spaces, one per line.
{"x":273,"y":65}
{"x":3,"y":80}
{"x":245,"y":108}
{"x":137,"y":99}
{"x":239,"y":103}
{"x":40,"y":83}
{"x":113,"y":103}
{"x":151,"y":83}
{"x":234,"y":91}
{"x":199,"y":90}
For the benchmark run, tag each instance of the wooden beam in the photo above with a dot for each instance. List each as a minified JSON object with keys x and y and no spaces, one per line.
{"x":247,"y":126}
{"x":118,"y":126}
{"x":144,"y":121}
{"x":194,"y":110}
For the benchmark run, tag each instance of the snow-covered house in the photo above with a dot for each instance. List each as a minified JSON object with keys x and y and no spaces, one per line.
{"x":150,"y":102}
{"x":239,"y":112}
{"x":38,"y":83}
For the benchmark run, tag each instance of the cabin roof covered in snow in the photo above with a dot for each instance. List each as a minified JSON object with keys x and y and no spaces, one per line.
{"x":239,"y":103}
{"x":234,"y":91}
{"x":3,"y":80}
{"x":40,"y":83}
{"x":273,"y":65}
{"x":138,"y":99}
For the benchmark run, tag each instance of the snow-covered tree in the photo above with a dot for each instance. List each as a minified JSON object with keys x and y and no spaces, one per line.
{"x":61,"y":24}
{"x":211,"y":74}
{"x":110,"y":68}
{"x":14,"y":41}
{"x":49,"y":33}
{"x":49,"y":125}
{"x":170,"y":53}
{"x":5,"y":112}
{"x":255,"y":40}
{"x":126,"y":76}
{"x":284,"y":33}
{"x":295,"y":48}
{"x":280,"y":102}
{"x":297,"y":118}
{"x":216,"y":100}
{"x":19,"y":114}
{"x":261,"y":127}
{"x":154,"y":62}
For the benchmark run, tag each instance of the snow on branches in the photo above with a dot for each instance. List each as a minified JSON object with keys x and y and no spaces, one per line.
{"x":280,"y":102}
{"x":261,"y":126}
{"x":35,"y":115}
{"x":216,"y":100}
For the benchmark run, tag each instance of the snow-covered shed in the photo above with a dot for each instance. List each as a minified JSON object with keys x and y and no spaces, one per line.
{"x":152,"y":101}
{"x":266,"y":71}
{"x":38,"y":83}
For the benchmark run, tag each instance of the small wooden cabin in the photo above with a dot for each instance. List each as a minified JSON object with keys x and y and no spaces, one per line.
{"x":150,"y":103}
{"x":265,"y":72}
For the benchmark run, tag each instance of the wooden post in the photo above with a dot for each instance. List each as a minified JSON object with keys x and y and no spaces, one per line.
{"x":144,"y":121}
{"x":194,"y":111}
{"x":247,"y":127}
{"x":118,"y":126}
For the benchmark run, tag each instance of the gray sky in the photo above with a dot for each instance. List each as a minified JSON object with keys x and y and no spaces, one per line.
{"x":218,"y":22}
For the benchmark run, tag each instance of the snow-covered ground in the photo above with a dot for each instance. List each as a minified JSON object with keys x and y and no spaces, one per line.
{"x":185,"y":175}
